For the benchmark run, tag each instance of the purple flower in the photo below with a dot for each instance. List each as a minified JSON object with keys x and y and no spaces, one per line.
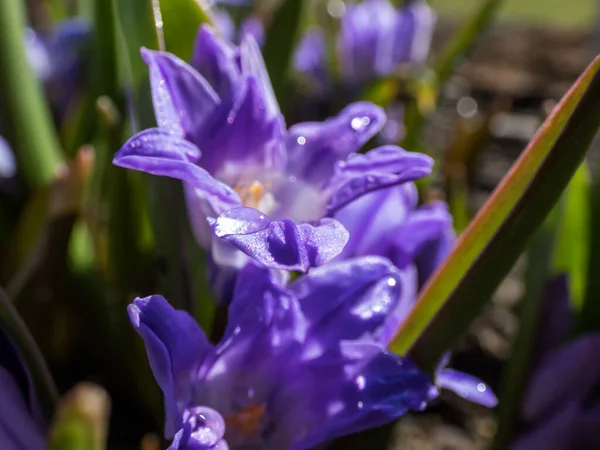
{"x":8,"y":165}
{"x":21,"y":424}
{"x":416,"y":239}
{"x":255,"y":186}
{"x":298,"y":365}
{"x":375,"y":38}
{"x":56,"y":59}
{"x":560,"y":408}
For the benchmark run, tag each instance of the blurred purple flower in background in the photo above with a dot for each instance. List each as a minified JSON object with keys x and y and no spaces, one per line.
{"x":8,"y":164}
{"x":226,"y":26}
{"x":561,"y":407}
{"x":299,"y":365}
{"x":222,"y":133}
{"x":57,"y":59}
{"x":21,"y":423}
{"x":374,"y":40}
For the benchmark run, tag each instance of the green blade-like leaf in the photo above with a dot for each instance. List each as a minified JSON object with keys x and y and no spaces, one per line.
{"x":573,"y":237}
{"x":28,"y":116}
{"x":280,"y":42}
{"x":180,"y":22}
{"x":487,"y":249}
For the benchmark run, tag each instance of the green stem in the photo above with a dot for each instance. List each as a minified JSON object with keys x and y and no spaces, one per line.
{"x":29,"y":119}
{"x":16,"y":329}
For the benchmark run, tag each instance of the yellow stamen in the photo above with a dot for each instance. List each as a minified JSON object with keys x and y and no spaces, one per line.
{"x":247,"y":421}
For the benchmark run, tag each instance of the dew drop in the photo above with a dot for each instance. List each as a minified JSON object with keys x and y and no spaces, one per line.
{"x":391,"y":282}
{"x":301,"y":140}
{"x":481,"y":387}
{"x":356,"y":123}
{"x":237,"y":330}
{"x":361,"y":382}
{"x":365,"y":121}
{"x":360,"y":405}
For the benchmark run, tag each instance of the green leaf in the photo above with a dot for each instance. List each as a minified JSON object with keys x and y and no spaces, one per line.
{"x":30,"y":126}
{"x":516,"y":374}
{"x":180,"y":22}
{"x":573,"y":237}
{"x":12,"y":324}
{"x":488,"y":248}
{"x":280,"y":41}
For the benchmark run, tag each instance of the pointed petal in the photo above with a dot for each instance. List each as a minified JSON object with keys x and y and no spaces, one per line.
{"x":373,"y":220}
{"x":215,"y":59}
{"x":380,"y":168}
{"x":414,"y":28}
{"x":407,"y":297}
{"x":253,"y":64}
{"x":174,"y":343}
{"x":315,"y":147}
{"x":566,"y":374}
{"x":261,"y":300}
{"x":466,"y":386}
{"x":249,"y":144}
{"x":159,"y":152}
{"x":253,"y":26}
{"x":281,"y":244}
{"x":366,"y":40}
{"x":183,"y":100}
{"x":347,"y":300}
{"x":427,"y":233}
{"x":376,"y":388}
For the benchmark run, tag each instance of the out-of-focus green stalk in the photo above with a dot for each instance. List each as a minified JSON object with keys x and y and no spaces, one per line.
{"x":13,"y":325}
{"x":81,"y":420}
{"x":29,"y":120}
{"x":458,"y":48}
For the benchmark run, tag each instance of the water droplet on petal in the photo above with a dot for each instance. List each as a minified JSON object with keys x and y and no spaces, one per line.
{"x":301,"y":140}
{"x":481,"y":387}
{"x":237,"y":330}
{"x":360,"y":405}
{"x":361,"y":382}
{"x":391,"y":282}
{"x":356,"y":123}
{"x":365,"y":121}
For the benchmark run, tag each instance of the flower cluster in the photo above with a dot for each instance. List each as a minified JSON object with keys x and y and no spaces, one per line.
{"x":300,"y":362}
